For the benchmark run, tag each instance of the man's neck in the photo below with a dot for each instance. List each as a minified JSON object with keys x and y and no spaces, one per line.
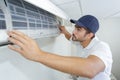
{"x":85,"y":43}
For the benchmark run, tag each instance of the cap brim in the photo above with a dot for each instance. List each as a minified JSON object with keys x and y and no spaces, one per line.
{"x":73,"y":21}
{"x":77,"y":23}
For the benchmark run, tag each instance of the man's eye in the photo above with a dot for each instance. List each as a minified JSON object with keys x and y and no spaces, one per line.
{"x":78,"y":29}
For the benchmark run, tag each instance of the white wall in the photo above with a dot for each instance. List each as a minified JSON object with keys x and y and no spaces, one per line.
{"x":110,"y":33}
{"x":14,"y":67}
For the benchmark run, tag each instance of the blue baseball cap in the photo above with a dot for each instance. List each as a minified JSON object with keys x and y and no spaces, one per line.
{"x":88,"y":21}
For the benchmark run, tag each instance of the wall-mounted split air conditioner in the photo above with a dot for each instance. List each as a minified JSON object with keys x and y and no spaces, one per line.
{"x":28,"y":18}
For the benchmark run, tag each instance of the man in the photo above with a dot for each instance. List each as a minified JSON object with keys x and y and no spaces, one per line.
{"x":95,"y":63}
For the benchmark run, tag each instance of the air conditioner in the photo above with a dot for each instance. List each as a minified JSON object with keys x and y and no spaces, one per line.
{"x":34,"y":21}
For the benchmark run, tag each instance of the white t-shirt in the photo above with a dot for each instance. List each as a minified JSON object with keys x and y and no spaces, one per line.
{"x":101,"y":50}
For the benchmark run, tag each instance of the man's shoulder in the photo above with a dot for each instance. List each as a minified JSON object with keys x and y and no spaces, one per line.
{"x":100,"y":43}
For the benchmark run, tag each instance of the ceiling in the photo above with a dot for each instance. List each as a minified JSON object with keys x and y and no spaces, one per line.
{"x":99,"y":8}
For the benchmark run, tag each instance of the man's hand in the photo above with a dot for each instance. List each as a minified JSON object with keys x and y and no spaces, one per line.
{"x":26,"y":46}
{"x":65,"y":32}
{"x":62,"y":29}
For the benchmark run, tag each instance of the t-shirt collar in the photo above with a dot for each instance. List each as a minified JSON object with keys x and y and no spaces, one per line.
{"x":91,"y":44}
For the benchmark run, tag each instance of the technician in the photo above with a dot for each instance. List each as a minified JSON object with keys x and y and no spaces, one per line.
{"x":95,"y":63}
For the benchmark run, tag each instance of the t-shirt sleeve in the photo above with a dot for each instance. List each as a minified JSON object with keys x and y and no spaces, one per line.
{"x":103,"y":52}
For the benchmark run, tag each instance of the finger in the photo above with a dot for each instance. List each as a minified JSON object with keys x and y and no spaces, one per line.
{"x":60,"y":28}
{"x":17,"y":37}
{"x":16,"y":42}
{"x":19,"y":50}
{"x":19,"y":34}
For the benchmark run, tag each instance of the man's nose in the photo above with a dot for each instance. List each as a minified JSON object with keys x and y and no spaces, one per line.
{"x":74,"y":31}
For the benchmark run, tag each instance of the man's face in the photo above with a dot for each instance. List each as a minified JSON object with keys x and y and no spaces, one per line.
{"x":79,"y":34}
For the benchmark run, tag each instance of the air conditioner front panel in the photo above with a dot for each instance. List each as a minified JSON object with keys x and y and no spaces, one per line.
{"x":32,"y":20}
{"x":3,"y":35}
